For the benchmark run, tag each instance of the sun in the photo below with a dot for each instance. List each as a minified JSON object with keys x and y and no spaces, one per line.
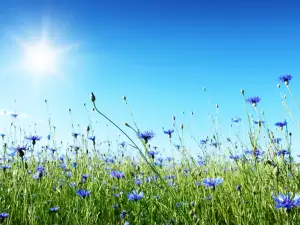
{"x":40,"y":58}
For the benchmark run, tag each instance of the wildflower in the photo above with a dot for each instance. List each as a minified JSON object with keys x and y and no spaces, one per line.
{"x":2,"y":135}
{"x":71,"y":184}
{"x":236,"y":120}
{"x":169,"y":158}
{"x":122,"y":144}
{"x":285,"y":201}
{"x":146,"y":136}
{"x":179,"y":204}
{"x":75,"y":135}
{"x":282,"y":152}
{"x":201,"y":162}
{"x":14,"y":115}
{"x":238,"y":187}
{"x":198,"y":183}
{"x":286,"y":78}
{"x":169,"y":132}
{"x":215,"y":144}
{"x":33,"y":138}
{"x":235,"y":157}
{"x":54,"y":209}
{"x":83,"y":193}
{"x":137,"y":181}
{"x":212,"y":183}
{"x":259,"y":122}
{"x":92,"y":138}
{"x":152,"y":153}
{"x":5,"y":167}
{"x":208,"y":197}
{"x":203,"y":141}
{"x":123,"y":214}
{"x":135,"y":196}
{"x":3,"y":216}
{"x":20,"y":150}
{"x":281,"y":124}
{"x":258,"y":153}
{"x":84,"y":177}
{"x":74,"y":165}
{"x":117,"y":174}
{"x":126,"y":223}
{"x":253,"y":100}
{"x":277,"y":140}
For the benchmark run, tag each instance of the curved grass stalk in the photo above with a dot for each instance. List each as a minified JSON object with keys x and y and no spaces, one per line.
{"x":144,"y":157}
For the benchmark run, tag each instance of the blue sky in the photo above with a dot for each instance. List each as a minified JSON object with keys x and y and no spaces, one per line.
{"x":160,"y":54}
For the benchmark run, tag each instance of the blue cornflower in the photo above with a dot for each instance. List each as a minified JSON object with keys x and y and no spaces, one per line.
{"x":177,"y":147}
{"x":137,"y":181}
{"x":2,"y":135}
{"x":146,"y":136}
{"x":212,"y":182}
{"x":3,"y":216}
{"x":71,"y":184}
{"x":179,"y":204}
{"x":123,"y":144}
{"x":238,"y":187}
{"x":109,"y":159}
{"x":235,"y":157}
{"x":83,"y":193}
{"x":74,"y":165}
{"x":285,"y":201}
{"x":54,"y":209}
{"x":286,"y":78}
{"x":258,"y":153}
{"x":135,"y":196}
{"x":92,"y":138}
{"x":123,"y":214}
{"x":215,"y":144}
{"x":259,"y":122}
{"x":253,"y":100}
{"x":201,"y":162}
{"x":33,"y":138}
{"x":19,"y":149}
{"x":248,"y":152}
{"x":75,"y":135}
{"x":40,"y":172}
{"x":170,"y":177}
{"x":152,"y":153}
{"x":281,"y":124}
{"x":53,"y":150}
{"x":169,"y":158}
{"x":277,"y":140}
{"x":236,"y":120}
{"x":84,"y":177}
{"x":126,"y":223}
{"x":203,"y":141}
{"x":40,"y":168}
{"x":198,"y":183}
{"x":117,"y":174}
{"x":5,"y":167}
{"x":14,"y":115}
{"x":282,"y":152}
{"x":169,"y":132}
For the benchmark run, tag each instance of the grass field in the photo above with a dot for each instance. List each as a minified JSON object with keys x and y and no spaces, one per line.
{"x":227,"y":182}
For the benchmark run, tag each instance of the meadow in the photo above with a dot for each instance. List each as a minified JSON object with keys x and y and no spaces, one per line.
{"x":226,"y":182}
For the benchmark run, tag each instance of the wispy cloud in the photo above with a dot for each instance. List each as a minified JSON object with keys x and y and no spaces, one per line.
{"x":9,"y":112}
